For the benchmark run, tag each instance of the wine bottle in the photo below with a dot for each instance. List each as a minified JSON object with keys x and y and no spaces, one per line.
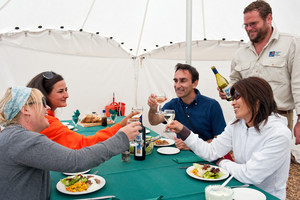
{"x":222,"y":83}
{"x":140,"y":147}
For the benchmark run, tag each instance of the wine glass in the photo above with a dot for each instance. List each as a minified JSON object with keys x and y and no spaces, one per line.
{"x":133,"y":142}
{"x":75,"y":121}
{"x":113,"y":117}
{"x":169,"y":116}
{"x":160,"y":98}
{"x":137,"y":109}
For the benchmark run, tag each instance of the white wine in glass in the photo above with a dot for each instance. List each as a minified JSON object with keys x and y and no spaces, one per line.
{"x":169,"y":116}
{"x":160,"y":99}
{"x":137,"y":109}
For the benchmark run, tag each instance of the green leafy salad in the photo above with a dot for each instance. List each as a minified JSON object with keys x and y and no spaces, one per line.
{"x":206,"y":171}
{"x":72,"y":180}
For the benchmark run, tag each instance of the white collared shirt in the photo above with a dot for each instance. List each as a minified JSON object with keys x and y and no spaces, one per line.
{"x":261,"y":159}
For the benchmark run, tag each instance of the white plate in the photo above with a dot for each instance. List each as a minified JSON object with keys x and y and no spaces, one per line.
{"x":147,"y":131}
{"x":65,"y":123}
{"x":170,"y":141}
{"x":225,"y":174}
{"x":73,"y":174}
{"x":168,"y":150}
{"x":94,"y":187}
{"x":70,"y":127}
{"x":247,"y":194}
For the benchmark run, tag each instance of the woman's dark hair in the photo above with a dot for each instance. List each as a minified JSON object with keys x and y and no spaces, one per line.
{"x":44,"y":82}
{"x":258,"y":96}
{"x":262,"y":7}
{"x":193,"y":71}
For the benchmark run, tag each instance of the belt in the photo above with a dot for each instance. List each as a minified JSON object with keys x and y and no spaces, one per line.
{"x":285,"y":111}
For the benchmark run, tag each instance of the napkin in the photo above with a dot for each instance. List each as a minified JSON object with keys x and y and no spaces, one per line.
{"x":156,"y":198}
{"x":188,"y":159}
{"x":113,"y":111}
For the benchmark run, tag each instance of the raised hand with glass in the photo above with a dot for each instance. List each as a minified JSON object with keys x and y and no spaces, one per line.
{"x":160,"y":98}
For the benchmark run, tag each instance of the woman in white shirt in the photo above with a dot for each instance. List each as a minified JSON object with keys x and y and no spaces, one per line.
{"x":258,"y":136}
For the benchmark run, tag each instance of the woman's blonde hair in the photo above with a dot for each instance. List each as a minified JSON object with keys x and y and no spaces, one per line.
{"x":34,"y":99}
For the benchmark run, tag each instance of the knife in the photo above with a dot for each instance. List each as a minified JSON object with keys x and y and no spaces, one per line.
{"x":96,"y":198}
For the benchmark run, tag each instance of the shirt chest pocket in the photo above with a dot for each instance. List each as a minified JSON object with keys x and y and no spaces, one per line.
{"x":244,"y":69}
{"x":274,"y":70}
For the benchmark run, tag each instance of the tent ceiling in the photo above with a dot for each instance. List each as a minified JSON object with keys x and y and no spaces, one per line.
{"x":123,"y":19}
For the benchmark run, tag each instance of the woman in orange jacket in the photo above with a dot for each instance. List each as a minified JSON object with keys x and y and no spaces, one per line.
{"x":54,"y":88}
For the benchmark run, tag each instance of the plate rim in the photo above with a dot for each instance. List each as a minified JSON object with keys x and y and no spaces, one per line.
{"x":73,"y":174}
{"x":101,"y":185}
{"x":162,"y":148}
{"x":70,"y":126}
{"x":165,"y":145}
{"x":204,"y":179}
{"x":257,"y":191}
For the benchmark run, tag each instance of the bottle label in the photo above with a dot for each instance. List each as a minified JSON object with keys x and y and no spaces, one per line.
{"x":226,"y":90}
{"x":139,"y":145}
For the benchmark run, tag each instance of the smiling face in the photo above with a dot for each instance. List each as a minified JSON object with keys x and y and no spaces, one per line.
{"x":257,"y":28}
{"x":58,"y":96}
{"x":241,"y":109}
{"x":183,"y":85}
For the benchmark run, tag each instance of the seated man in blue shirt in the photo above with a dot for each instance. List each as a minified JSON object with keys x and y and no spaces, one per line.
{"x":201,"y":114}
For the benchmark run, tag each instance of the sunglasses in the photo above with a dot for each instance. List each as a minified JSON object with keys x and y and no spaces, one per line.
{"x":48,"y":75}
{"x":236,"y":95}
{"x":43,"y":102}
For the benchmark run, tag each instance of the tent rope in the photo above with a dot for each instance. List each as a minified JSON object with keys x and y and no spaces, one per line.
{"x":88,"y":14}
{"x":142,"y":29}
{"x":5,"y":4}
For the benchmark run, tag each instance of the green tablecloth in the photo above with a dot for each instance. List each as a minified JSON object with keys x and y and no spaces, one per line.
{"x":155,"y":176}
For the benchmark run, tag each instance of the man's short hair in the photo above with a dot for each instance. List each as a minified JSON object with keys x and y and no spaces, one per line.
{"x":193,"y":71}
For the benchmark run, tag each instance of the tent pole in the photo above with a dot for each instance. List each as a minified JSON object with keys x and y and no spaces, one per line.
{"x":188,"y":31}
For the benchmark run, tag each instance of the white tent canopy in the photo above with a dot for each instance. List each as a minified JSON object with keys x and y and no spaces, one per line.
{"x":104,"y":57}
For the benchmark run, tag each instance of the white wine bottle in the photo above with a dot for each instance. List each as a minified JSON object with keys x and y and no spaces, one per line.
{"x":222,"y":83}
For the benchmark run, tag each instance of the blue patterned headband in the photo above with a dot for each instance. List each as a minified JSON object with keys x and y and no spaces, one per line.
{"x":19,"y":96}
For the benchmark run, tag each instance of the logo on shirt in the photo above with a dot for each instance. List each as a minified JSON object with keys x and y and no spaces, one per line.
{"x":274,"y":53}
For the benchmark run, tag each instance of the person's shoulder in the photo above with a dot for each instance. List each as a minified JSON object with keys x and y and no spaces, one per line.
{"x":208,"y":99}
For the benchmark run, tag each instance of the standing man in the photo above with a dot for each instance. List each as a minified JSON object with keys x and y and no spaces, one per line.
{"x":199,"y":113}
{"x":273,"y":56}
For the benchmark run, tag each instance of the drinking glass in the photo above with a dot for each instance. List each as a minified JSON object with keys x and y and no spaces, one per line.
{"x":113,"y":117}
{"x":137,"y":109}
{"x":160,"y":98}
{"x":169,"y":116}
{"x":75,"y":121}
{"x":133,"y":142}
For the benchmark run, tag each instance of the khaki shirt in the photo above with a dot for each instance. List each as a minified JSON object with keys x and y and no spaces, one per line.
{"x":278,"y":64}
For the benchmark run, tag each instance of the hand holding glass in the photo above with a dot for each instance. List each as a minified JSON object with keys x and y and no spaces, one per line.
{"x":137,"y":109}
{"x":133,"y":142}
{"x":169,"y":116}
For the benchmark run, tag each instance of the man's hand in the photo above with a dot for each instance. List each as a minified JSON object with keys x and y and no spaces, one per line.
{"x":221,"y":94}
{"x":152,"y":102}
{"x":297,"y":132}
{"x":180,"y":144}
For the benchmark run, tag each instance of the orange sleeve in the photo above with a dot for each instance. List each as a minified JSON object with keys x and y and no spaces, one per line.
{"x":68,"y":138}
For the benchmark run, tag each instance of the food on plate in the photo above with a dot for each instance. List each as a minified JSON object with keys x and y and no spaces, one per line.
{"x":91,"y":118}
{"x":206,"y":171}
{"x":78,"y":183}
{"x":161,"y":142}
{"x":149,"y":145}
